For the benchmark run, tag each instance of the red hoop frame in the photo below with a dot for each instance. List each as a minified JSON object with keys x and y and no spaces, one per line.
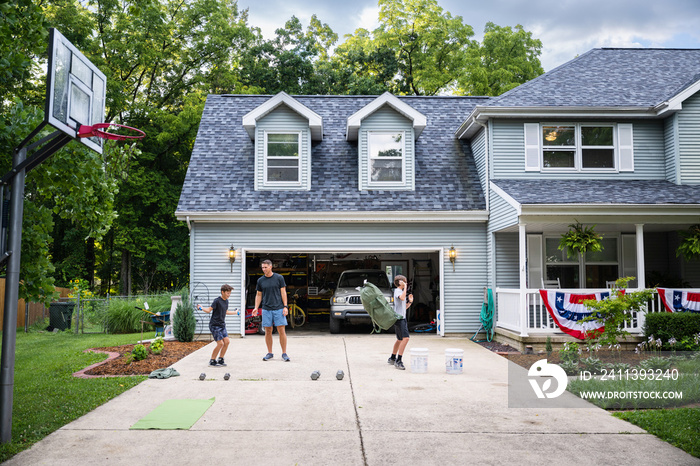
{"x":86,"y":131}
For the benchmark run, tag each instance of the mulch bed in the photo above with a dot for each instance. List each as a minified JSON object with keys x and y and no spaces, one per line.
{"x":172,"y":352}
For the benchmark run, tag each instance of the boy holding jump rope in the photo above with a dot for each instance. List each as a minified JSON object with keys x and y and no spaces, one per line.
{"x":217,"y":324}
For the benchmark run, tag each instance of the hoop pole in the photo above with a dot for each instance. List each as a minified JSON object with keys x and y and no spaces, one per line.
{"x":9,"y":330}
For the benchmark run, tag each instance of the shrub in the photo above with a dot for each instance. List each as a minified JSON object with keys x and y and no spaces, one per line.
{"x":139,"y":353}
{"x":570,"y":367}
{"x":569,"y":352}
{"x":123,"y":317}
{"x":184,"y":322}
{"x":548,"y":346}
{"x":655,"y":363}
{"x":157,"y":345}
{"x":682,"y":326}
{"x":592,"y":365}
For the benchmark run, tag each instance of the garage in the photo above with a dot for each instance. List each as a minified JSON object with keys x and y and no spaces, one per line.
{"x":312,"y":278}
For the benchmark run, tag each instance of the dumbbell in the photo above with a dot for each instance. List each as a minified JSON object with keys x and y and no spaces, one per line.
{"x":315,"y":375}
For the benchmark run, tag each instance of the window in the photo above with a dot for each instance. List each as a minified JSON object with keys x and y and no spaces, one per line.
{"x":578,"y":147}
{"x":282,"y":157}
{"x":386,"y":157}
{"x":597,"y":268}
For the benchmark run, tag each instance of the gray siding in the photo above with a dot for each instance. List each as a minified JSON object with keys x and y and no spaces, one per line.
{"x":463,"y":288}
{"x":501,"y":214}
{"x":478,"y":146}
{"x":283,"y":119}
{"x":671,"y":148}
{"x":507,"y":260}
{"x":508,"y":149}
{"x":689,"y":140}
{"x":386,"y":119}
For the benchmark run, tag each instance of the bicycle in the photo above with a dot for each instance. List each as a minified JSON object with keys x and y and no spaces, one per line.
{"x":296,"y":315}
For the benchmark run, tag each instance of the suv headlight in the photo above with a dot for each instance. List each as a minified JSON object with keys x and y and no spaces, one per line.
{"x":339,"y":299}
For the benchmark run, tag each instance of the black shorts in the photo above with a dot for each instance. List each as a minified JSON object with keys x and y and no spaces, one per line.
{"x":401,"y":328}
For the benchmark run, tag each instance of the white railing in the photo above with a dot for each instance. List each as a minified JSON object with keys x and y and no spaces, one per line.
{"x":532,"y":318}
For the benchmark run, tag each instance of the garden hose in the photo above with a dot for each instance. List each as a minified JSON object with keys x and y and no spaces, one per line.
{"x":486,"y":318}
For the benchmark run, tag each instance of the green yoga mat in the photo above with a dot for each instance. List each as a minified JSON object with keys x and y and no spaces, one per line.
{"x":174,"y":414}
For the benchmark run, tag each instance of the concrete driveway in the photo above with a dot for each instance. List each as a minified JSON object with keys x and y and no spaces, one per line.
{"x":273,"y":413}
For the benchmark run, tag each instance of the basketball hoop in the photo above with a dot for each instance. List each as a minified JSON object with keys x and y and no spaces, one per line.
{"x":98,"y":130}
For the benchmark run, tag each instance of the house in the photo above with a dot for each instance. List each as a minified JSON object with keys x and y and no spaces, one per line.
{"x":318,"y":183}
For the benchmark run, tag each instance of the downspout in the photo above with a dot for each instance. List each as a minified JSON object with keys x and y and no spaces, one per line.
{"x":189,"y":227}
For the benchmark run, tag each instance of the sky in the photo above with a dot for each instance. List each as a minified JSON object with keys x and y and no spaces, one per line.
{"x":567,"y":28}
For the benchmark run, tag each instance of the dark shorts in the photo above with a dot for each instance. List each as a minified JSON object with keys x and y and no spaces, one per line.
{"x":218,"y":333}
{"x":401,"y":328}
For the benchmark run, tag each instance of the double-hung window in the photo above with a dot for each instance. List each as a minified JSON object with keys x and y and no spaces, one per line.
{"x":578,"y":147}
{"x":386,"y":157}
{"x":282,"y":157}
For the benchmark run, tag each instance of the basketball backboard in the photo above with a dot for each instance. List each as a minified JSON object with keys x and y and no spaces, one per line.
{"x":75,"y":90}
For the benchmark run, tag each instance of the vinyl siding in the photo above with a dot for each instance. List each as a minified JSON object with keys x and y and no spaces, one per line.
{"x":689,"y":140}
{"x":508,"y":149}
{"x":501,"y":214}
{"x":671,"y":148}
{"x":478,"y":147}
{"x":283,"y":119}
{"x":507,"y":260}
{"x":463,"y":288}
{"x":386,"y":119}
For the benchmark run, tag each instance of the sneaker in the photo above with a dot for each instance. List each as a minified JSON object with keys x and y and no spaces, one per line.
{"x":212,"y":362}
{"x":285,"y":357}
{"x":391,"y":361}
{"x":399,"y":365}
{"x":268,"y":356}
{"x":221,"y":362}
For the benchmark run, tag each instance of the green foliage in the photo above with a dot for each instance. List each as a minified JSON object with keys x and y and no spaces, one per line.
{"x":505,"y":59}
{"x":157,"y":346}
{"x":42,"y":405}
{"x":679,"y":427}
{"x":123,"y":317}
{"x":690,"y":244}
{"x":579,"y":240}
{"x":620,"y":367}
{"x":616,"y":311}
{"x":139,"y":353}
{"x":655,"y":363}
{"x":570,"y":367}
{"x":548,"y":346}
{"x":570,"y":352}
{"x":591,"y":364}
{"x":184,"y":322}
{"x":682,"y":326}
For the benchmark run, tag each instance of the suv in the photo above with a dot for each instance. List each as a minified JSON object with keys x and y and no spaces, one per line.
{"x":346,"y":305}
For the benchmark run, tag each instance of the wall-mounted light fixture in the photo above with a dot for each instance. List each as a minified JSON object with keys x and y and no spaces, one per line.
{"x":232,"y":256}
{"x":453,"y":256}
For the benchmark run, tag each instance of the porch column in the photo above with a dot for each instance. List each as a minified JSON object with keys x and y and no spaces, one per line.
{"x":522,"y":250}
{"x":641,"y":284}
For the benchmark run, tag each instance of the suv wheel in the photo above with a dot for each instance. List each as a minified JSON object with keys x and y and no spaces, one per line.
{"x":335,"y":325}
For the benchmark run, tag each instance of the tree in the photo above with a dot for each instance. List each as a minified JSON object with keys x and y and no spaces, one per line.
{"x":505,"y":59}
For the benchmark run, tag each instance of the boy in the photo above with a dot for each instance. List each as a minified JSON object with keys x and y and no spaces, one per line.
{"x":217,"y":324}
{"x":401,"y":303}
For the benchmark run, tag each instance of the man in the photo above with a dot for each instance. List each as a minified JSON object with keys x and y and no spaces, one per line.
{"x":272,"y":294}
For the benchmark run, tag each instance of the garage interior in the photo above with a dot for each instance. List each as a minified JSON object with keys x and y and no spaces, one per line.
{"x":311,"y":279}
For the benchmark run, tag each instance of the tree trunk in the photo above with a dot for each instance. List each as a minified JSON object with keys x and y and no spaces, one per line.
{"x":90,"y":262}
{"x":125,"y":278}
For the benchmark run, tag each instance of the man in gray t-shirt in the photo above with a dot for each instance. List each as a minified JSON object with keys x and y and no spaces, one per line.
{"x":272,"y":294}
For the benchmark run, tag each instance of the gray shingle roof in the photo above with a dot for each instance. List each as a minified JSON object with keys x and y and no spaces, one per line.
{"x":610,"y":78}
{"x":599,"y":192}
{"x":220,"y":174}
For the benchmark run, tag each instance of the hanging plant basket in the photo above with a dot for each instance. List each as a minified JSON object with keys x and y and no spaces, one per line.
{"x":690,"y":244}
{"x":580,"y":239}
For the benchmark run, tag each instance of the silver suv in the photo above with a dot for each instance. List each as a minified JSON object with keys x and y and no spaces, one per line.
{"x":345,"y":303}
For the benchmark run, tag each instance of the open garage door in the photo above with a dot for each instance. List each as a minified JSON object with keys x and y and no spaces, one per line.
{"x":316,"y":284}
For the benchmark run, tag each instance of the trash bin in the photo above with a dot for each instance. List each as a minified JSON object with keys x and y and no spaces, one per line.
{"x":60,"y":315}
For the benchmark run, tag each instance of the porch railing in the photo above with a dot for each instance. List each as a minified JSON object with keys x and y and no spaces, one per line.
{"x":523,"y":311}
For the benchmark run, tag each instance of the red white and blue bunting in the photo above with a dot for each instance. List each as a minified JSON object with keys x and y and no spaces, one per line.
{"x":568,"y":311}
{"x":679,"y":300}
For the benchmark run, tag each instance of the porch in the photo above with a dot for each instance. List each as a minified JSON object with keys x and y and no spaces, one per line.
{"x":522,"y":319}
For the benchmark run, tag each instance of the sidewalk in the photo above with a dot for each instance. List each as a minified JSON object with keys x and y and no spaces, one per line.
{"x":273,"y":413}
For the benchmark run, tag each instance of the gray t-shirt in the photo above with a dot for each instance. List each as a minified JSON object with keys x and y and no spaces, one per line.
{"x":399,"y":305}
{"x":271,"y":295}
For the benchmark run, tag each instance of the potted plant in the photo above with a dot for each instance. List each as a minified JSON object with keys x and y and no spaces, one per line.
{"x":580,"y":239}
{"x":690,"y":244}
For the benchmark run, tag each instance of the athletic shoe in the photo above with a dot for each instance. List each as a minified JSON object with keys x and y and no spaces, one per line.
{"x":268,"y":356}
{"x":221,"y":362}
{"x":391,"y":361}
{"x":285,"y":357}
{"x":212,"y":362}
{"x":399,"y":365}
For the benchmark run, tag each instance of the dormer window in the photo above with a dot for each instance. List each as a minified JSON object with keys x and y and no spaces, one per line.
{"x":386,"y":156}
{"x":282,"y":157}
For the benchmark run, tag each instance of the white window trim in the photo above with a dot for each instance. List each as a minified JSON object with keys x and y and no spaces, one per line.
{"x":266,"y":182}
{"x":371,"y":183}
{"x":578,"y":149}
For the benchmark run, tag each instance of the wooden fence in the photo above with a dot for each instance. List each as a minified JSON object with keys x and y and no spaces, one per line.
{"x":37,"y":311}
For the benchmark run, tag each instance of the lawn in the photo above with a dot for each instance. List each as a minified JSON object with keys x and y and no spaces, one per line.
{"x":46,"y":396}
{"x":679,"y":427}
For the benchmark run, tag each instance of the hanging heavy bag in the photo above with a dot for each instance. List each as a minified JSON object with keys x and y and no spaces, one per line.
{"x":375,"y":303}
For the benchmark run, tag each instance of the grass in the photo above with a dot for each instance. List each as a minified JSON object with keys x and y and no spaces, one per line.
{"x":679,"y":427}
{"x":46,"y":396}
